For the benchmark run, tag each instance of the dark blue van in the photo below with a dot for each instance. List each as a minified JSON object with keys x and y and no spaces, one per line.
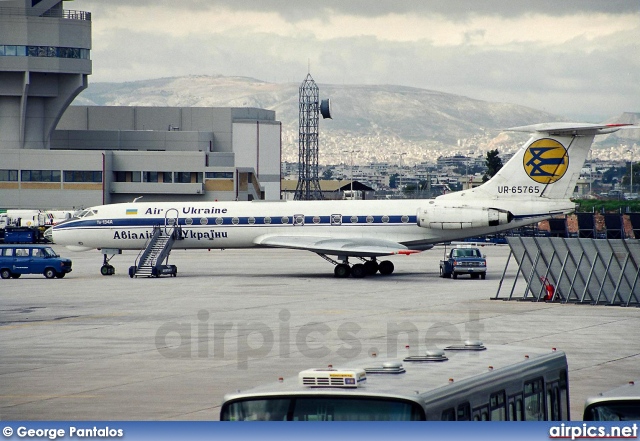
{"x":19,"y":259}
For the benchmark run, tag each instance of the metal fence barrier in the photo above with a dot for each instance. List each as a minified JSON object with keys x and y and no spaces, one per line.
{"x":587,"y":271}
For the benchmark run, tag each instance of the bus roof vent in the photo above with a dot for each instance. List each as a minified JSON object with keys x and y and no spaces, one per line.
{"x":389,"y":367}
{"x":432,"y":355}
{"x":332,"y":377}
{"x":468,"y":345}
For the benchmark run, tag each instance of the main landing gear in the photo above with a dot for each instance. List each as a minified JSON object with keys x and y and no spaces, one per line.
{"x":359,"y":270}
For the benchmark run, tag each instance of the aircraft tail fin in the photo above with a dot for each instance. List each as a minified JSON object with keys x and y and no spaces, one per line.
{"x":549,"y":163}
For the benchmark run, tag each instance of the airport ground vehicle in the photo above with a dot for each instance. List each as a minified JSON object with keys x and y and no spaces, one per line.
{"x":19,"y":259}
{"x":619,"y":404}
{"x":464,"y":260}
{"x":465,"y":382}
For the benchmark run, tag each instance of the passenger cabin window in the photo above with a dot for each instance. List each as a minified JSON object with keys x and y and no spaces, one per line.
{"x":534,"y":400}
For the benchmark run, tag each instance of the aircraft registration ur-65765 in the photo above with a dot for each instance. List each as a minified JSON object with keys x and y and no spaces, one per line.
{"x":534,"y":185}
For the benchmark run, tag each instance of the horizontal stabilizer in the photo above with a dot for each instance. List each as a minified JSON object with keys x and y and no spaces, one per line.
{"x":572,"y":129}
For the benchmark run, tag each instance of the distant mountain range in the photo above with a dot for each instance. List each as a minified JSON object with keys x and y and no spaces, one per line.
{"x":381,"y":123}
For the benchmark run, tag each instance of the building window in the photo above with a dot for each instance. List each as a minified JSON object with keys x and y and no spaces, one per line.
{"x":219,"y":175}
{"x":167,"y":177}
{"x":8,"y":175}
{"x":82,"y":176}
{"x":150,"y":176}
{"x":40,"y":176}
{"x":183,"y":177}
{"x":44,"y":51}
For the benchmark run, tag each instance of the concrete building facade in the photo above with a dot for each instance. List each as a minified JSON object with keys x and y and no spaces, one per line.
{"x":53,"y":155}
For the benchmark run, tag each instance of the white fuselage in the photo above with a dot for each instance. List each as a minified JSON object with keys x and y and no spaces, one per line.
{"x":226,"y":224}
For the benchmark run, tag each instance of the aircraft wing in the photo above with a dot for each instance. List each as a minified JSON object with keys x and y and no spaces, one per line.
{"x":358,"y":246}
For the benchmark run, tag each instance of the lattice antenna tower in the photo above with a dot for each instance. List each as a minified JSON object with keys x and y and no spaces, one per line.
{"x":308,"y":187}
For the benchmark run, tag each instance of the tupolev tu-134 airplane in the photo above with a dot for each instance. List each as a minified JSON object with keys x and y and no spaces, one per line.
{"x":534,"y":185}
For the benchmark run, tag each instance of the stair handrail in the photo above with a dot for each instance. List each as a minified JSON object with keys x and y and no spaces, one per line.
{"x":175,"y":233}
{"x":142,"y":255}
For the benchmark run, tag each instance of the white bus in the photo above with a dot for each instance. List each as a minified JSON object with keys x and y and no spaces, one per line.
{"x":466,"y":382}
{"x":619,"y":404}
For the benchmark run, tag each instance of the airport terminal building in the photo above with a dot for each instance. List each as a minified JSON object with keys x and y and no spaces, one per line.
{"x":57,"y":156}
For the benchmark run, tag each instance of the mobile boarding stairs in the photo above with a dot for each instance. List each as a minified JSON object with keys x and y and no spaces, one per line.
{"x":150,"y":262}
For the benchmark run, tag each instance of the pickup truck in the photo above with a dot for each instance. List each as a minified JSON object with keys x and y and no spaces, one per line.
{"x":464,"y":261}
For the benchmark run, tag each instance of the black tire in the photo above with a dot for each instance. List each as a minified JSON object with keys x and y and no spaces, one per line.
{"x":5,"y":273}
{"x":61,"y":275}
{"x":132,"y":271}
{"x":342,"y":270}
{"x":15,"y":276}
{"x":49,"y":273}
{"x":386,"y":267}
{"x":371,"y":266}
{"x":455,"y":275}
{"x":104,"y":270}
{"x":358,"y":271}
{"x":483,"y":276}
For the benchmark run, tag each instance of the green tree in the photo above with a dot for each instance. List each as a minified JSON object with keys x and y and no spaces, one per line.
{"x":493,"y":163}
{"x":327,"y":174}
{"x":626,"y":181}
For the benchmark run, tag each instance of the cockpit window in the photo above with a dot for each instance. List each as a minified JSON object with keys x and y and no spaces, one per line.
{"x":85,"y":213}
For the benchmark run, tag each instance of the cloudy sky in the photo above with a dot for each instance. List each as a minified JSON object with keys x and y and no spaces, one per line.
{"x":576,"y":58}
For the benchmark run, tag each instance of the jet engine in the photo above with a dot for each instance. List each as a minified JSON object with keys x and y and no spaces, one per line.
{"x":458,"y":218}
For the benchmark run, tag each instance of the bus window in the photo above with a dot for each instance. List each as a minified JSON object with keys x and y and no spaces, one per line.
{"x":534,"y":400}
{"x":481,"y":413}
{"x":515,"y":408}
{"x":354,"y":409}
{"x":613,"y":410}
{"x":448,"y":415}
{"x":553,"y":401}
{"x":564,"y":396}
{"x":320,"y":408}
{"x":258,"y":410}
{"x":464,"y":412}
{"x":497,"y":404}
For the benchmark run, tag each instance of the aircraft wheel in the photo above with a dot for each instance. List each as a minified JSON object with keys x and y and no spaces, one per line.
{"x":5,"y":274}
{"x":342,"y":270}
{"x":358,"y":271}
{"x":371,"y":267}
{"x":386,"y":267}
{"x":49,"y":273}
{"x":107,"y":270}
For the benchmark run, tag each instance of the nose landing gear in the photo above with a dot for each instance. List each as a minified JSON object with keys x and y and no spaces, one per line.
{"x":107,"y":269}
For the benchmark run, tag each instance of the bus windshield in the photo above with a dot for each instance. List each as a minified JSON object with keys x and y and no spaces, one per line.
{"x":622,"y":410}
{"x":321,"y":409}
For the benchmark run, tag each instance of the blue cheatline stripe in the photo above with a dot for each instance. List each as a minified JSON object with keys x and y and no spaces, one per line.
{"x":239,"y":221}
